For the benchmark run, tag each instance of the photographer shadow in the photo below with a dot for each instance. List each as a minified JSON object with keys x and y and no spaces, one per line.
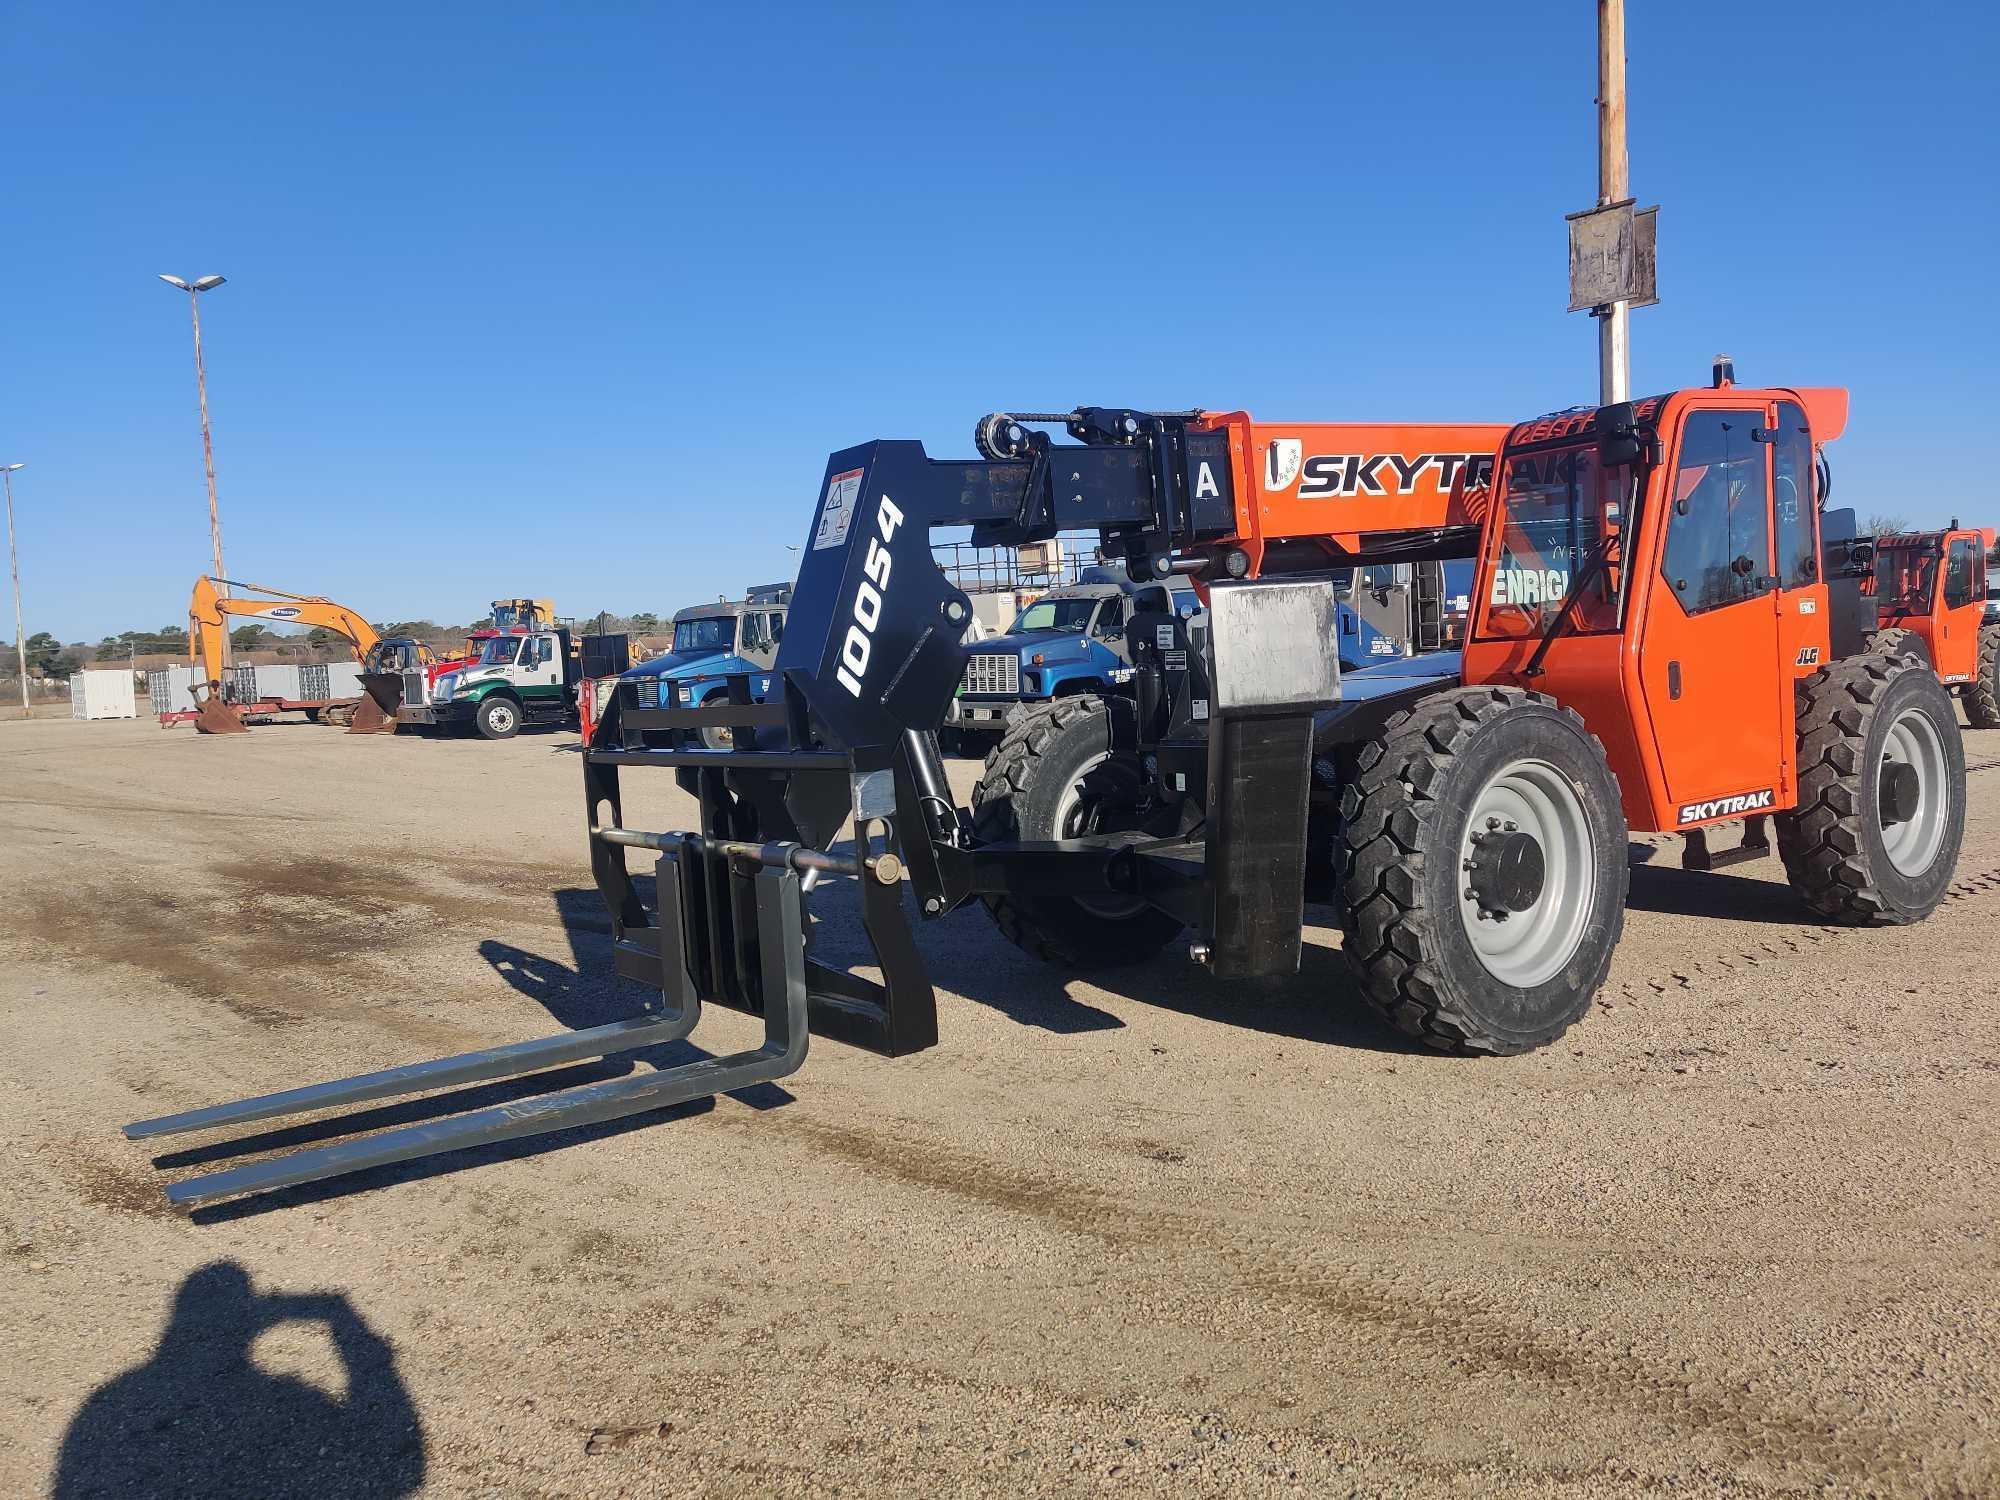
{"x":200,"y":1418}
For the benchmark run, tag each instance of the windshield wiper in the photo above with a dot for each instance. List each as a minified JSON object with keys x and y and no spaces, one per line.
{"x":1596,"y":563}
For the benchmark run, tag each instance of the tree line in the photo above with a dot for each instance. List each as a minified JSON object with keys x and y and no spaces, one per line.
{"x":51,"y":658}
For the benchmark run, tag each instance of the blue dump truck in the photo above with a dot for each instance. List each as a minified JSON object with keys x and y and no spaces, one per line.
{"x":1071,"y":639}
{"x":711,"y":641}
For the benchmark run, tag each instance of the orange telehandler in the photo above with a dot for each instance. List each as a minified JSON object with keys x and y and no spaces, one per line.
{"x":1930,"y":598}
{"x":1650,"y":649}
{"x":215,"y":713}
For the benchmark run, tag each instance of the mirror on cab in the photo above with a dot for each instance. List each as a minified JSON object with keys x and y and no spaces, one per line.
{"x":1619,"y":442}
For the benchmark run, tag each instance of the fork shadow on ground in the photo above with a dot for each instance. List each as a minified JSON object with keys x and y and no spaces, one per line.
{"x":200,"y":1417}
{"x":583,"y":993}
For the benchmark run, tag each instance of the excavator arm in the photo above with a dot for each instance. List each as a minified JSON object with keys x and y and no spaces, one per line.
{"x":209,"y":608}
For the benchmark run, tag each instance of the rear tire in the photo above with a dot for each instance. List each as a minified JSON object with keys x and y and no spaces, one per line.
{"x":1430,"y":824}
{"x":1056,"y":776}
{"x":1982,"y":695}
{"x":497,"y":718}
{"x":1846,"y":849}
{"x":1896,"y":641}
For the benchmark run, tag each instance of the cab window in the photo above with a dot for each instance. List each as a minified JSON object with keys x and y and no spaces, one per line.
{"x":756,"y":633}
{"x":1718,"y":549}
{"x":1111,"y":619}
{"x":1562,"y":515}
{"x":1961,"y":569}
{"x":1792,"y":498}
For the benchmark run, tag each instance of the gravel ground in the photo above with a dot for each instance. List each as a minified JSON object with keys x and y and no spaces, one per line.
{"x":1734,"y":1234}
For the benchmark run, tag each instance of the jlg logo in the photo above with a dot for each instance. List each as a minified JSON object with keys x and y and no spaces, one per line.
{"x":860,"y":642}
{"x":1809,"y":656}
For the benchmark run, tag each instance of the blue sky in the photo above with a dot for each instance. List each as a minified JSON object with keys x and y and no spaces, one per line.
{"x":575,"y":301}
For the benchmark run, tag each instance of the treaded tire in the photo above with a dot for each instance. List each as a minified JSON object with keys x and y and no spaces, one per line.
{"x":1405,"y":817}
{"x":1832,"y":842}
{"x":1982,"y":695}
{"x":1019,"y":794}
{"x":1896,"y":641}
{"x":492,"y":723}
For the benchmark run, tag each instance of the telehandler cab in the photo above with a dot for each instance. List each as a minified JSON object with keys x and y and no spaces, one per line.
{"x":1649,"y":649}
{"x":1930,"y":597}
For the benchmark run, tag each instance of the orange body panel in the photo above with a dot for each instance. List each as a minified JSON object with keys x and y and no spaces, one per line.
{"x":1342,"y":486}
{"x":1693,"y":700}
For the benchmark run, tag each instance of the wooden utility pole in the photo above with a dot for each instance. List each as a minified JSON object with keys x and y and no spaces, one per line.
{"x":1614,"y":174}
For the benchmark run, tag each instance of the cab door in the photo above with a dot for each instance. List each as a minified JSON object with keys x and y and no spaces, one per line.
{"x":1709,"y":655}
{"x":1963,"y":592}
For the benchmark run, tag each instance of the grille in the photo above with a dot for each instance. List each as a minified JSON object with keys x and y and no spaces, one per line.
{"x":413,"y":688}
{"x":994,"y":672}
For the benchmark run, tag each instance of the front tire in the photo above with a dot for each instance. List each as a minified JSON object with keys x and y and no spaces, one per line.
{"x":1483,"y":860}
{"x":1896,"y":641}
{"x":1054,"y":776}
{"x":1875,"y":837}
{"x":1982,"y":695}
{"x":497,"y":718}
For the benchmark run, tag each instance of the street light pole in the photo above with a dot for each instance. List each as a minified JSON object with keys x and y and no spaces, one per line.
{"x":194,"y":289}
{"x":1614,"y":182}
{"x":14,"y":562}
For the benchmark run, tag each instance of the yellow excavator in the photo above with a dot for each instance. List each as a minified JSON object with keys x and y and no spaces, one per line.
{"x":214,"y":713}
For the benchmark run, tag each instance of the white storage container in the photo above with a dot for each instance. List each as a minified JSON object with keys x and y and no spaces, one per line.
{"x":102,"y":695}
{"x":170,"y":690}
{"x":344,"y":679}
{"x":278,"y":682}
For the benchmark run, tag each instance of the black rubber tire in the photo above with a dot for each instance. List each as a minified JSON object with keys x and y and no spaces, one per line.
{"x":717,"y":739}
{"x":313,"y":715}
{"x":1404,"y":816}
{"x":1026,"y":777}
{"x":1982,"y":695}
{"x":1831,"y":842}
{"x":484,"y":718}
{"x":1896,"y":641}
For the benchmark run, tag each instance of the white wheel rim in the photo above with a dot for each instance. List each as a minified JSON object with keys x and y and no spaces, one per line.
{"x":501,"y":717}
{"x":1072,"y":821}
{"x":1913,"y":740}
{"x":1528,"y":948}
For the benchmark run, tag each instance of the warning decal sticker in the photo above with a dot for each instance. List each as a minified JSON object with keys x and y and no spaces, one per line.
{"x":836,"y":511}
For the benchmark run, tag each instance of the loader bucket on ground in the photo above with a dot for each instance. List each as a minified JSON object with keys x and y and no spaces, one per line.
{"x":213,"y":716}
{"x":375,"y":710}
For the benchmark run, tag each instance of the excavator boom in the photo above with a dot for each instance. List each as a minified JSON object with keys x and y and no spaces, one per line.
{"x":207,"y":611}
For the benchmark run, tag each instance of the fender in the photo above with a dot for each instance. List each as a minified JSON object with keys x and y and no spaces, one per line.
{"x":1063,"y":673}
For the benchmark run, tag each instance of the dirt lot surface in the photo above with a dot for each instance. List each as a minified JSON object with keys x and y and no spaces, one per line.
{"x":1734,"y":1234}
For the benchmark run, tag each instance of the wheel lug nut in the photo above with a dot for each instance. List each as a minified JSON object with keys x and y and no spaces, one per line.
{"x":1492,"y":822}
{"x":1512,"y":826}
{"x":1471,"y":894}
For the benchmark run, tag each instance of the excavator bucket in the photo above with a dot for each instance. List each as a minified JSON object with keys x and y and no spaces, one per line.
{"x":729,"y":928}
{"x":213,"y":715}
{"x":375,"y":710}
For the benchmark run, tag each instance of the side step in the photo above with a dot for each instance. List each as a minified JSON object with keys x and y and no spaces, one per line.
{"x":781,"y":965}
{"x":1696,"y":855}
